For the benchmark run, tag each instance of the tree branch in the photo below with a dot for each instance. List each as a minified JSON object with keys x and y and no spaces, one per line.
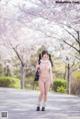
{"x":17,"y":54}
{"x":71,"y":46}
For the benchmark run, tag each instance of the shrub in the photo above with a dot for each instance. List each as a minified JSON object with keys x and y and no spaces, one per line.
{"x":9,"y":82}
{"x":76,"y":74}
{"x":61,"y":89}
{"x":59,"y":85}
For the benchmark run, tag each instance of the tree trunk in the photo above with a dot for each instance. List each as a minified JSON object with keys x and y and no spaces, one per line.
{"x":22,"y":76}
{"x":68,"y":78}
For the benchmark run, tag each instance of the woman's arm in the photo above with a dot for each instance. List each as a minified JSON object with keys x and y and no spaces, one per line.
{"x":37,"y":66}
{"x":51,"y":74}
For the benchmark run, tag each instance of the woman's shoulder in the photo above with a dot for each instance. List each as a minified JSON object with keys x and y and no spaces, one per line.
{"x":45,"y":61}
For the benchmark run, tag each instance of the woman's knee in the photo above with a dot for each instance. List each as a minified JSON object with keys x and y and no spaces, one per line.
{"x":45,"y":94}
{"x":42,"y":93}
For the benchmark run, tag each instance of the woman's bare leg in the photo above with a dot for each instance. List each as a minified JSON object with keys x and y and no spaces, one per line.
{"x":46,"y":89}
{"x":41,"y":96}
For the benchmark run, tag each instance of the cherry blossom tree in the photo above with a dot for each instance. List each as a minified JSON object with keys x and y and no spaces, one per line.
{"x":26,"y":25}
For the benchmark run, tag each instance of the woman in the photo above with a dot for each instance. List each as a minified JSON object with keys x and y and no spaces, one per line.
{"x":45,"y":79}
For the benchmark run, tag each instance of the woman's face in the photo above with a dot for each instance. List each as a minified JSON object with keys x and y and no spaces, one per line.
{"x":45,"y":56}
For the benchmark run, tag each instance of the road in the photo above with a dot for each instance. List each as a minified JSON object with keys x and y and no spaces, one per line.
{"x":21,"y":104}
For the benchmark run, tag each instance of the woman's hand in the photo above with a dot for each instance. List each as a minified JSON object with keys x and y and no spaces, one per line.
{"x":37,"y":67}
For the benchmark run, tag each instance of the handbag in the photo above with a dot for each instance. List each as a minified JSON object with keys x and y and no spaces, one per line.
{"x":36,"y":76}
{"x":37,"y":73}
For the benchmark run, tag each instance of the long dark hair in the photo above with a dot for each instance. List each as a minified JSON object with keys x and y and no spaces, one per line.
{"x":39,"y":58}
{"x":46,"y":52}
{"x":50,"y":58}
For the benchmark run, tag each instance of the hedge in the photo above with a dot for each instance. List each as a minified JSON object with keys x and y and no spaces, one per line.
{"x":60,"y":85}
{"x":9,"y":82}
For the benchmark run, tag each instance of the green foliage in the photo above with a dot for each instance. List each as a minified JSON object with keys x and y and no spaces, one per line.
{"x":1,"y":69}
{"x":16,"y":72}
{"x":9,"y":82}
{"x":76,"y":74}
{"x":59,"y":85}
{"x":61,"y":89}
{"x":30,"y":83}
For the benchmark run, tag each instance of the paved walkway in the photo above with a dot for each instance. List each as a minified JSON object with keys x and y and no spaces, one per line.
{"x":21,"y":104}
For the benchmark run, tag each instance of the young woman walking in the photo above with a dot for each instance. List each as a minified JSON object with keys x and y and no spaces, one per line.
{"x":45,"y":79}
